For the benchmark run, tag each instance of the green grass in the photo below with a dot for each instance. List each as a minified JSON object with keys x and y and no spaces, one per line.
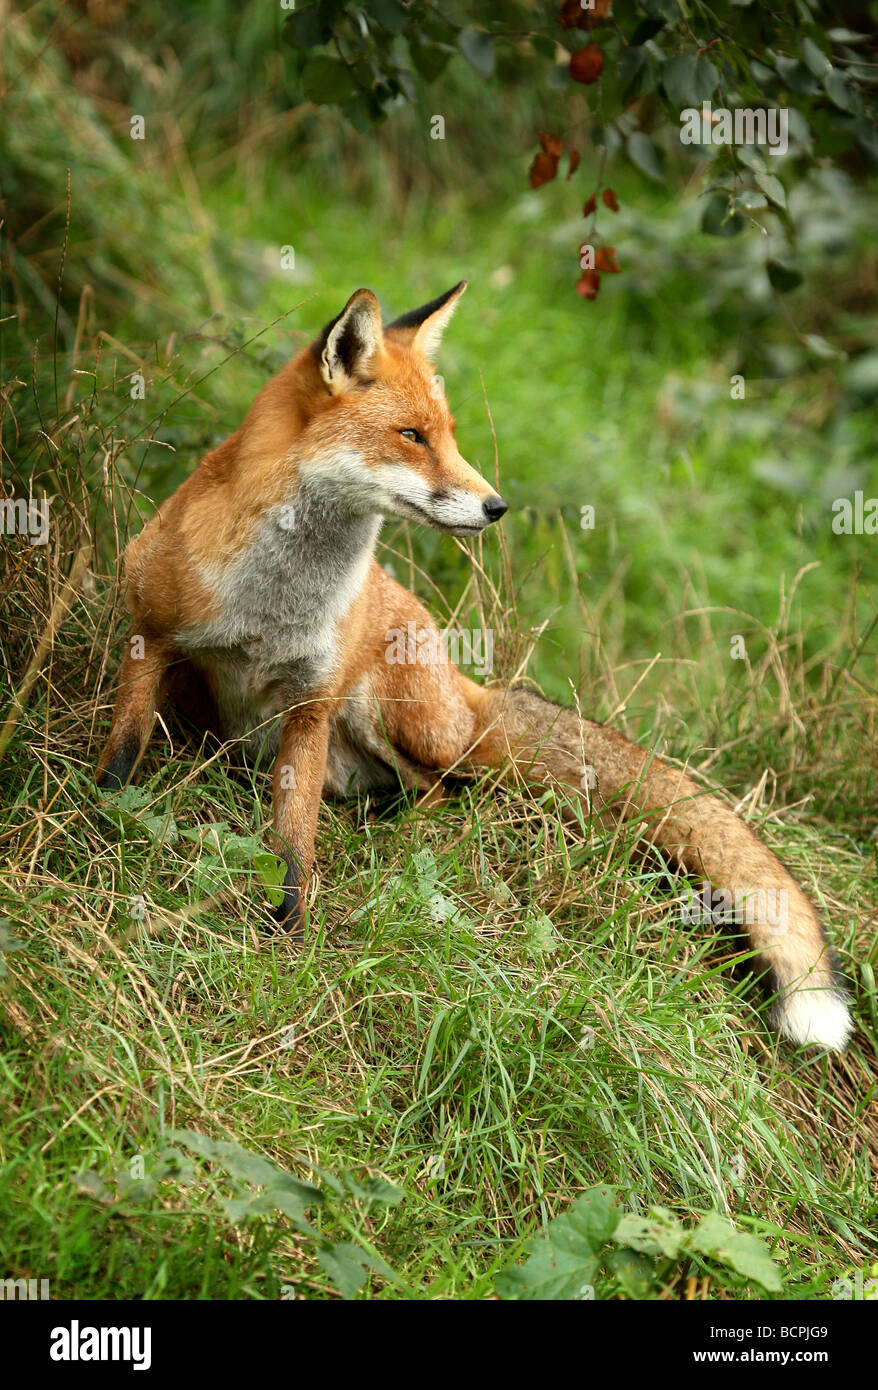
{"x":491,"y":1012}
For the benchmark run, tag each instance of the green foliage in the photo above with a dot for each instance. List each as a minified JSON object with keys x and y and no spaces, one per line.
{"x":250,"y":1191}
{"x":596,"y":1243}
{"x":652,"y":62}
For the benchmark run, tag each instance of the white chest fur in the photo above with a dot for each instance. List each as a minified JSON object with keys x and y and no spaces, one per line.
{"x":276,"y":636}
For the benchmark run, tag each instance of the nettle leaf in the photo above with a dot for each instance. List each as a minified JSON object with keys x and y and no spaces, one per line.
{"x":659,"y":1233}
{"x":597,"y":1214}
{"x":210,"y":877}
{"x":240,"y":1210}
{"x":290,"y":1195}
{"x":748,"y":1256}
{"x":549,"y":1274}
{"x":541,"y":934}
{"x":348,"y":1266}
{"x":563,"y":1262}
{"x":91,"y":1184}
{"x":425,"y":866}
{"x":161,"y":828}
{"x":689,"y":81}
{"x":635,"y":1273}
{"x":373,"y":1191}
{"x":8,"y":943}
{"x":478,"y":48}
{"x":272,"y":871}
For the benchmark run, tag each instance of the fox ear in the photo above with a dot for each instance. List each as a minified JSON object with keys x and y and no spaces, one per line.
{"x":422,"y":328}
{"x":347,"y":346}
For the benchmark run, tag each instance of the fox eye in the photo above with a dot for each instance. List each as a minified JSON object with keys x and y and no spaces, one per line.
{"x":414,"y":435}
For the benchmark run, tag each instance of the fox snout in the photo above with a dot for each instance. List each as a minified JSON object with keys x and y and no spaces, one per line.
{"x":460,"y":511}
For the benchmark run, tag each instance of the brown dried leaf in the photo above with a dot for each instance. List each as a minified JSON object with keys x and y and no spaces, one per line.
{"x":586,"y":64}
{"x":588,"y":284}
{"x":543,"y":169}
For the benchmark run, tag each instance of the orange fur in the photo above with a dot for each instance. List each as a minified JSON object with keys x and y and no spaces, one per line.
{"x":261,"y":606}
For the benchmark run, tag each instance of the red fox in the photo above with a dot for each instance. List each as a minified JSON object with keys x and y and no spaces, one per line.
{"x":262,"y":612}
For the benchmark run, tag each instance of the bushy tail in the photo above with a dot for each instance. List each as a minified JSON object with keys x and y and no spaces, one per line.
{"x":695,"y":830}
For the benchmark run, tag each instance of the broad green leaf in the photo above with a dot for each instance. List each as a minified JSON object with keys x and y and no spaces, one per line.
{"x":541,"y":935}
{"x":8,"y":943}
{"x":839,"y":92}
{"x":748,"y":1256}
{"x":720,"y":219}
{"x":635,"y":1273}
{"x":430,"y":59}
{"x":689,"y":81}
{"x":783,"y":278}
{"x":478,"y":48}
{"x":562,"y":1260}
{"x":326,"y":80}
{"x":90,"y":1183}
{"x":272,"y":871}
{"x":800,"y":81}
{"x":752,"y":158}
{"x":815,"y":59}
{"x":347,"y":1266}
{"x":389,"y":14}
{"x":373,"y":1190}
{"x":596,"y":1213}
{"x":646,"y":155}
{"x":772,"y":188}
{"x":659,"y":1233}
{"x":549,"y":1274}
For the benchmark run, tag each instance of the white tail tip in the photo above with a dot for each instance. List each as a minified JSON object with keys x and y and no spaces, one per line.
{"x":817,"y":1017}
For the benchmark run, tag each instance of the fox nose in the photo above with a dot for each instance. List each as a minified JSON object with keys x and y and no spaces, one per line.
{"x":494,"y":508}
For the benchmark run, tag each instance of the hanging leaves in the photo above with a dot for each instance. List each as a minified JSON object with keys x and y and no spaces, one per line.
{"x":542,"y":170}
{"x":610,"y":200}
{"x":588,"y":284}
{"x":605,"y":259}
{"x":544,"y":167}
{"x":572,"y":15}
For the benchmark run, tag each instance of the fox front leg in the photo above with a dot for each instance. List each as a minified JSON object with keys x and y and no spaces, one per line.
{"x":298,"y":786}
{"x":140,"y":683}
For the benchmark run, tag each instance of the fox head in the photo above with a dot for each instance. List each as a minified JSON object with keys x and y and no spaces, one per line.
{"x":380,"y":435}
